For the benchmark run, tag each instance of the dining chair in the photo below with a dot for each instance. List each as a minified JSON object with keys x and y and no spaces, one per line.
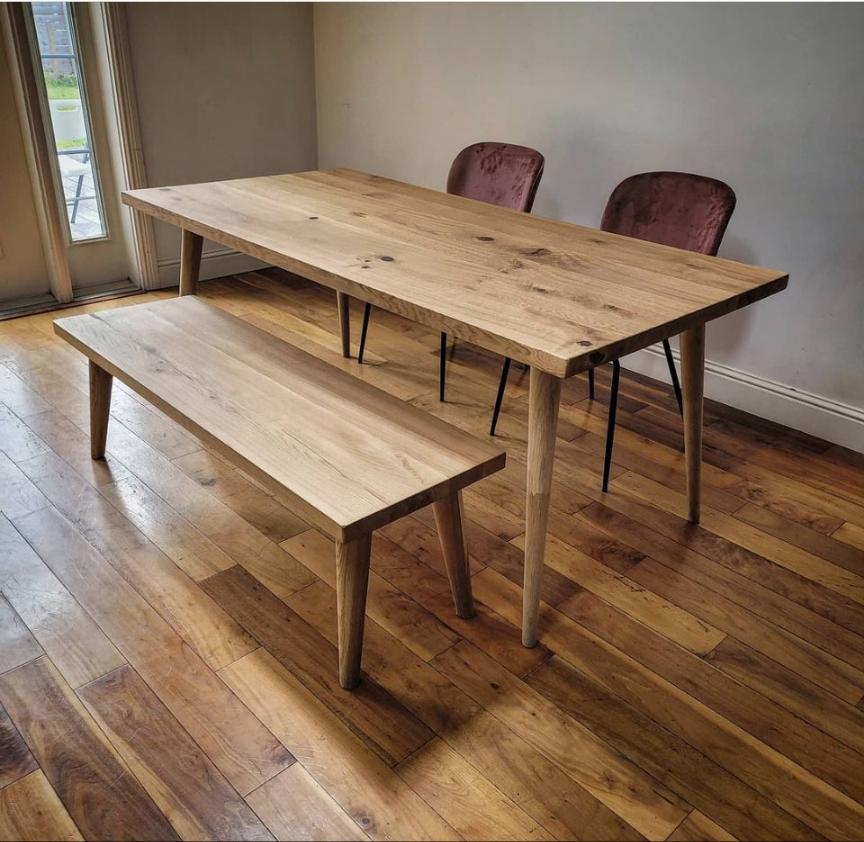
{"x":676,"y":209}
{"x":498,"y":173}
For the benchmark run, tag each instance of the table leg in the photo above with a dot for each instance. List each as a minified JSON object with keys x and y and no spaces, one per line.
{"x":692,"y":345}
{"x":190,"y":262}
{"x":343,"y":309}
{"x":352,"y":581}
{"x":543,"y":398}
{"x":100,"y":409}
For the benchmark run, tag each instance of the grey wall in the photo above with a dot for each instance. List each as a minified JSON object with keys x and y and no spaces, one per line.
{"x":765,"y":96}
{"x":225,"y":90}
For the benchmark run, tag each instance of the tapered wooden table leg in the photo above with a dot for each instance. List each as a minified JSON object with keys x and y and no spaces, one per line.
{"x":448,"y":519}
{"x":190,"y":262}
{"x":343,"y":309}
{"x":543,"y":399}
{"x":352,"y":580}
{"x":100,"y":409}
{"x":692,"y":344}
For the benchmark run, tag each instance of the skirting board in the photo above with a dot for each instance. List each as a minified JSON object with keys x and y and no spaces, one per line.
{"x":214,"y":264}
{"x":830,"y":420}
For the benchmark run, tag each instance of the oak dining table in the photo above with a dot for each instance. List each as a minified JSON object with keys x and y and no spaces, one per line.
{"x":560,"y":297}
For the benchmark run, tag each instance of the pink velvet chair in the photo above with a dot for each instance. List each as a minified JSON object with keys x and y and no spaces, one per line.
{"x":498,"y":173}
{"x":671,"y":208}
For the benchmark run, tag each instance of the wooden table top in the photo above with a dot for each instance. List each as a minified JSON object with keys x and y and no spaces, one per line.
{"x":350,"y":457}
{"x":556,"y":295}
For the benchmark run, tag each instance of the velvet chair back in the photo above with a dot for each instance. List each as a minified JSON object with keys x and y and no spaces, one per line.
{"x":499,"y":173}
{"x":671,"y":208}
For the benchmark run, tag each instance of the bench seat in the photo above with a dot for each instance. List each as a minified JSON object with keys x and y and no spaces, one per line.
{"x":349,"y":457}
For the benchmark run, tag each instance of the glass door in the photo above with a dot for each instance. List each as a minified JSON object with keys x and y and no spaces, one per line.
{"x":72,"y":105}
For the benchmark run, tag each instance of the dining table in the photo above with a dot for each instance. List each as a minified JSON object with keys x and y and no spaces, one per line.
{"x":559,"y":297}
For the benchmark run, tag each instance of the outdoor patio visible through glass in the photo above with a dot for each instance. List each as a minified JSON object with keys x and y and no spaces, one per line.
{"x":70,"y":123}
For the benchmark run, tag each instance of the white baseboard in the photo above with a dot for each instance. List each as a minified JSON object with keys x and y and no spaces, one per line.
{"x":214,"y":264}
{"x":830,"y":420}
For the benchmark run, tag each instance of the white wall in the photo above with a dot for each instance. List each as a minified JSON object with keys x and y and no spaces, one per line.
{"x":225,"y":90}
{"x":765,"y":96}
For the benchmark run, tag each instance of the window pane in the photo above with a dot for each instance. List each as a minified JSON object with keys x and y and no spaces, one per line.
{"x":58,"y":53}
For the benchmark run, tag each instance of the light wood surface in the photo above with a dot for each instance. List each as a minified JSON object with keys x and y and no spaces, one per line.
{"x":190,"y":261}
{"x":100,"y":409}
{"x":627,"y":716}
{"x":448,"y":520}
{"x":352,"y":581}
{"x":543,"y":407}
{"x":351,"y":457}
{"x":558,"y":296}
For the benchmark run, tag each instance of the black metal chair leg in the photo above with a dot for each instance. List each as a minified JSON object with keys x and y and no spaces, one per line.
{"x":502,"y":385}
{"x":610,"y":430}
{"x":591,"y":384}
{"x":367,"y":312}
{"x":673,"y":374}
{"x":442,"y":367}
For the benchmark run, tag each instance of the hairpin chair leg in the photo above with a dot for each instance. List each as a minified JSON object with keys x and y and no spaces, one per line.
{"x":367,"y":312}
{"x":610,"y":430}
{"x":674,"y":375}
{"x":442,"y":367}
{"x":502,"y":385}
{"x":591,"y":384}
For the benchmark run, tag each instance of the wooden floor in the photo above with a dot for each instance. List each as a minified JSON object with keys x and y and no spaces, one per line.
{"x":167,"y":628}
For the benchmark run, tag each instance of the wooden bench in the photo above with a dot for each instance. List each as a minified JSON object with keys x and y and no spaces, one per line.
{"x":350,"y":458}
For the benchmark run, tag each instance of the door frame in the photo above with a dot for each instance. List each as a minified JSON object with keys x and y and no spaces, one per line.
{"x":111,"y":35}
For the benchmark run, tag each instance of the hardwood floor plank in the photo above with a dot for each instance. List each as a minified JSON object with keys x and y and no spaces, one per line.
{"x":372,"y":794}
{"x":834,"y":675}
{"x":764,"y":719}
{"x":787,"y":613}
{"x":538,"y":786}
{"x":240,"y":494}
{"x":625,"y":593}
{"x":185,"y":785}
{"x":295,"y":806}
{"x":699,"y":828}
{"x":176,"y":597}
{"x":404,"y":618}
{"x":16,"y":760}
{"x":18,"y":396}
{"x":240,"y":540}
{"x":621,"y":786}
{"x":18,"y":496}
{"x":741,"y":534}
{"x":804,"y":698}
{"x":30,"y":811}
{"x":687,"y":771}
{"x":76,"y":645}
{"x":371,"y":712}
{"x":103,"y":798}
{"x":796,"y":790}
{"x":243,"y":750}
{"x":72,"y":444}
{"x":487,"y":631}
{"x":17,"y":440}
{"x":17,"y":645}
{"x":830,"y":548}
{"x":467,"y":800}
{"x":851,"y":535}
{"x":191,"y":550}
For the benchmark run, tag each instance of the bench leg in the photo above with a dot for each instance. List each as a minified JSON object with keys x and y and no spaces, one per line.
{"x":190,"y":262}
{"x":448,"y":519}
{"x":343,"y":310}
{"x":100,"y":408}
{"x":352,"y":579}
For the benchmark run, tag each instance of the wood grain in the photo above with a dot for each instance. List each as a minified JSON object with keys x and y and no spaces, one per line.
{"x":78,"y":761}
{"x":473,"y":270}
{"x":30,"y":811}
{"x":181,"y":780}
{"x":295,"y":424}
